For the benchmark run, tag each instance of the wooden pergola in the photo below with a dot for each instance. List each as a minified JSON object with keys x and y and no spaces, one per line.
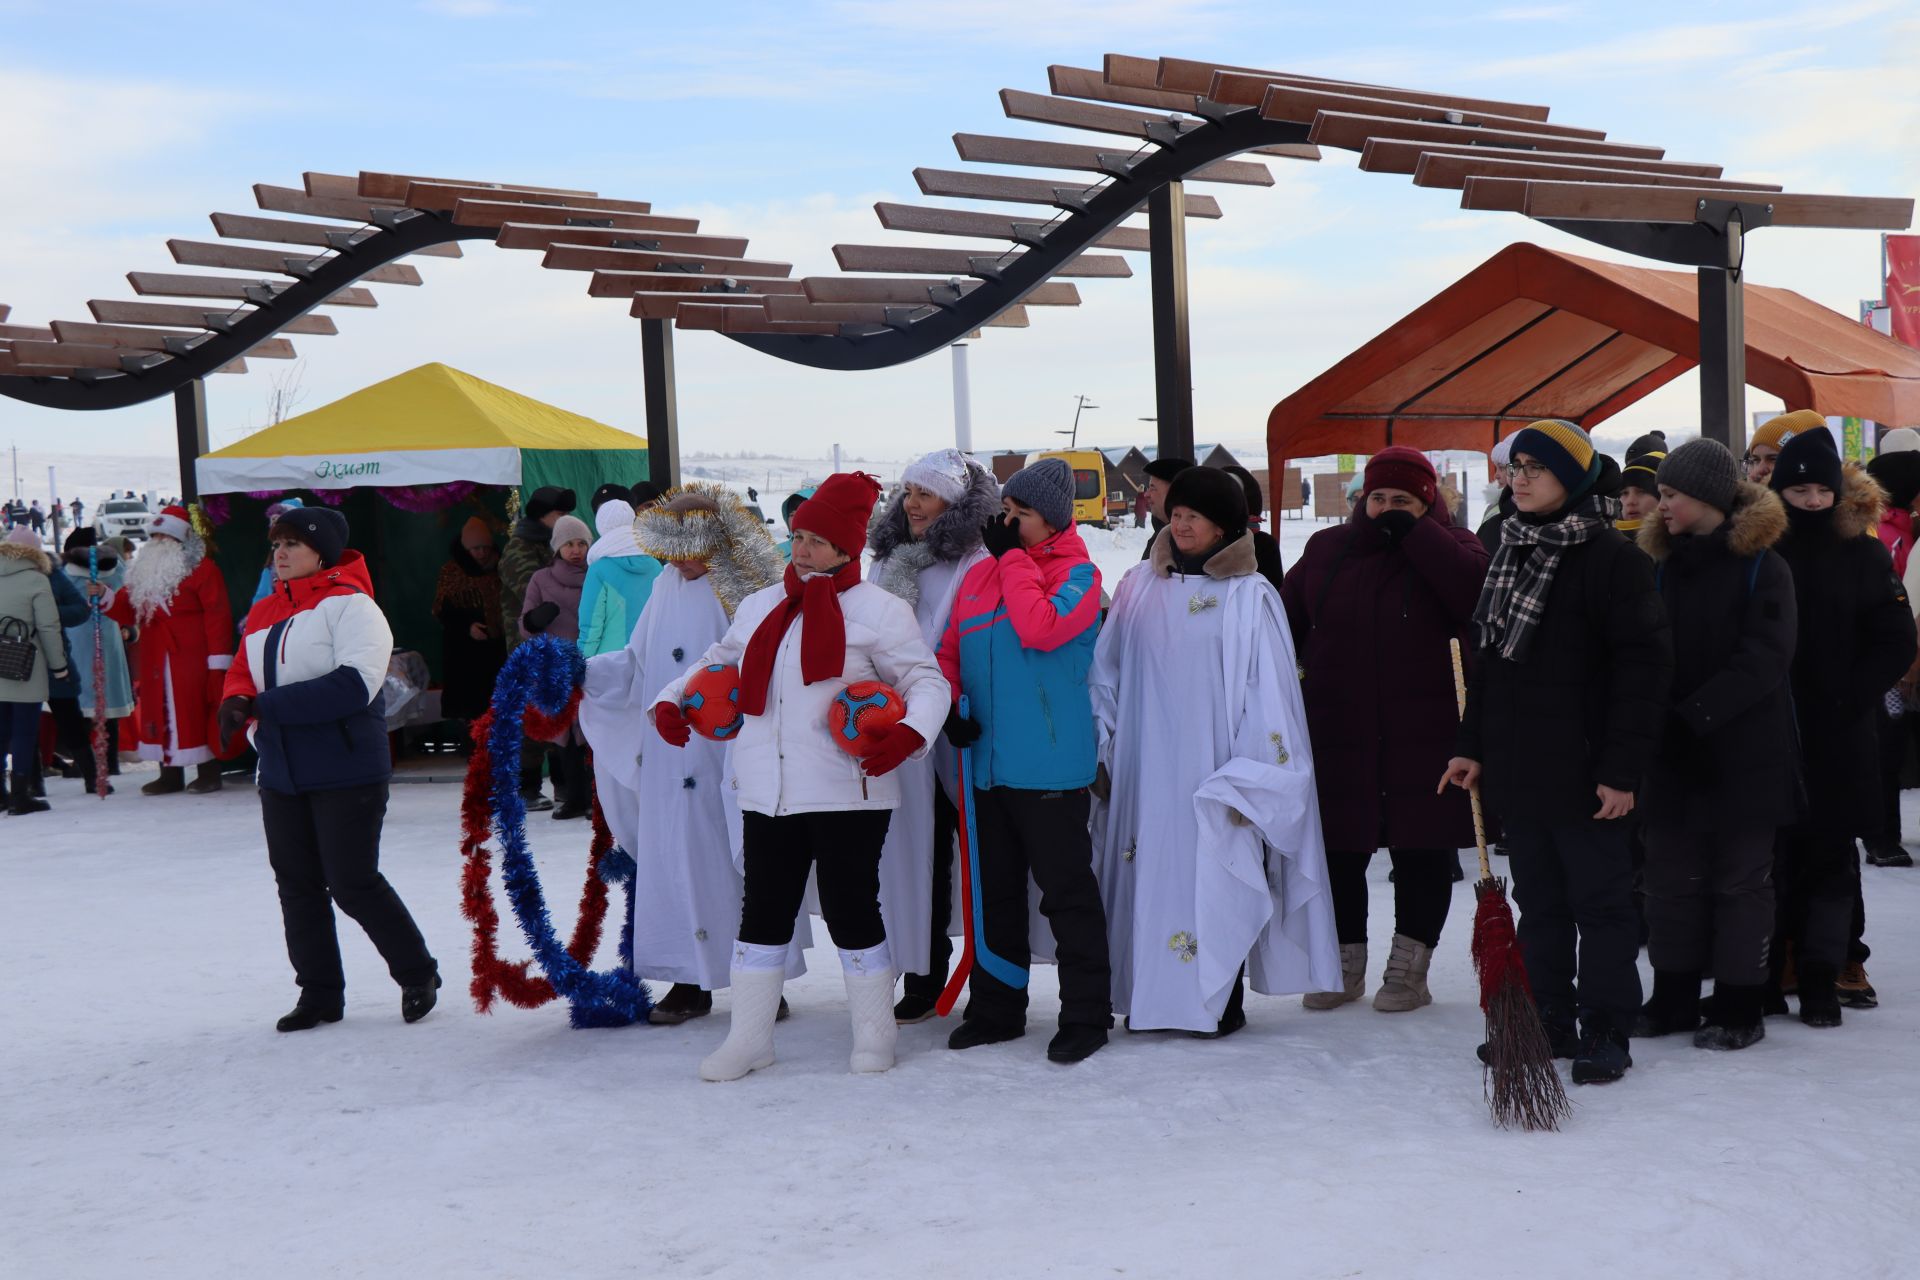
{"x":1175,"y":121}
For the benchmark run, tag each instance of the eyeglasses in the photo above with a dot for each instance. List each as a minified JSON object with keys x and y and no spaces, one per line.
{"x":1531,"y":470}
{"x":1755,"y":459}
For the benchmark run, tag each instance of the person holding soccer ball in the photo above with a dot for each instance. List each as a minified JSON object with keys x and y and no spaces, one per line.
{"x":805,"y":802}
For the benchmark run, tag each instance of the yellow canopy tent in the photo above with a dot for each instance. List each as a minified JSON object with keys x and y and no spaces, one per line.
{"x":408,"y":461}
{"x":432,"y":425}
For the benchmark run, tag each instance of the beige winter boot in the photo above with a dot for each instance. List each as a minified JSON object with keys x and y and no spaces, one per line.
{"x":1353,"y":980}
{"x":1405,"y":984}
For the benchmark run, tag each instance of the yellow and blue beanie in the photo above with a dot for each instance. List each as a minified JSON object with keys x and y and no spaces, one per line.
{"x":1564,"y":449}
{"x":1775,"y":432}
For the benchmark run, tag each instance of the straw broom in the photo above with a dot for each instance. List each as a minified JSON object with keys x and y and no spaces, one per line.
{"x":1522,"y":1086}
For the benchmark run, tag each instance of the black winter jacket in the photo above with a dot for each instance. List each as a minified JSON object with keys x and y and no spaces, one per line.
{"x":1729,"y":754}
{"x":1585,"y":706}
{"x":1856,"y":638}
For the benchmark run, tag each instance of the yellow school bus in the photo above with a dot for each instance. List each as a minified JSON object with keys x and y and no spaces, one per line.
{"x":1089,"y":482}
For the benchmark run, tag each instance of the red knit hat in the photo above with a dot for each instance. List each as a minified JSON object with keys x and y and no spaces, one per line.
{"x":840,"y":509}
{"x":1398,"y":467}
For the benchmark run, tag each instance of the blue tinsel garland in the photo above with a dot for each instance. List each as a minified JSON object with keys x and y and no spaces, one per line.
{"x":544,"y":672}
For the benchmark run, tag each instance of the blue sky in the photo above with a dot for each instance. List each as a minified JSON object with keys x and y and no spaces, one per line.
{"x":785,"y":122}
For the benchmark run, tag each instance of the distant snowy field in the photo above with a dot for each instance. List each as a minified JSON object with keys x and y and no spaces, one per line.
{"x":157,"y":1126}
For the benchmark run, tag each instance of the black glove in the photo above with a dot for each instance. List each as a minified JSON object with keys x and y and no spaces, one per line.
{"x":962,"y":731}
{"x":1396,"y":524}
{"x":540,"y":617}
{"x":1000,"y":536}
{"x":234,"y":714}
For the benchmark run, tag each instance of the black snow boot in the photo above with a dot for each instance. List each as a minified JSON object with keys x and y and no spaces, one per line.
{"x":1733,"y":1018}
{"x":1819,"y":999}
{"x":417,"y":1002}
{"x":305,"y":1018}
{"x":973,"y":1032}
{"x":1602,"y":1057}
{"x":1563,"y":1038}
{"x":172,"y":778}
{"x":206,"y":779}
{"x":1076,"y":1042}
{"x":1888,"y":853}
{"x":1673,"y":1008}
{"x":685,"y":1000}
{"x":21,"y":799}
{"x":1234,"y":1016}
{"x":913,"y":1007}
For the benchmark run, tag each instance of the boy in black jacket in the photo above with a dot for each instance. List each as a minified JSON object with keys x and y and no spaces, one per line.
{"x":1563,"y":713}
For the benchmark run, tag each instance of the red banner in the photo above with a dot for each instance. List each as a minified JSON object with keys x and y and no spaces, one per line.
{"x":1903,"y":287}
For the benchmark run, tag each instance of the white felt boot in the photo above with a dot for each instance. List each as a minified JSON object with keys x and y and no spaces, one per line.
{"x":869,"y":977}
{"x":757,"y":975}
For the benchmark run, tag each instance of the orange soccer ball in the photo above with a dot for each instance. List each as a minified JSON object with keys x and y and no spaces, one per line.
{"x":711,"y":702}
{"x":861,"y":712}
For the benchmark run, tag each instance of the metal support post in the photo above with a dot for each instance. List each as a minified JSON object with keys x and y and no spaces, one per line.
{"x":190,"y":433}
{"x":1723,"y":358}
{"x":962,"y":400}
{"x":663,"y":414}
{"x":1172,"y":354}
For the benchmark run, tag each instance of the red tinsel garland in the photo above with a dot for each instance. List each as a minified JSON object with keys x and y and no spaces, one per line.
{"x":493,"y":976}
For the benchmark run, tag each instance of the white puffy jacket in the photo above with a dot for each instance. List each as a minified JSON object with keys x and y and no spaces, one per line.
{"x":785,"y":761}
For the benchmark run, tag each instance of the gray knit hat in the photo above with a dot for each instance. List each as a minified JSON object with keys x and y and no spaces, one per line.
{"x":1703,"y":469}
{"x":1047,"y":487}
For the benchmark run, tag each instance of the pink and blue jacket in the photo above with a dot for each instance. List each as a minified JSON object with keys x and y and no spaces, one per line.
{"x":1018,"y":644}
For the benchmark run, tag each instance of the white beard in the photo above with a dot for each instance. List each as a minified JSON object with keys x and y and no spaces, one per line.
{"x":157,"y":571}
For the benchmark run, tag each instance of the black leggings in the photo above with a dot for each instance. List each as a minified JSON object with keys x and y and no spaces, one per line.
{"x":1422,"y":892}
{"x":843,"y":846}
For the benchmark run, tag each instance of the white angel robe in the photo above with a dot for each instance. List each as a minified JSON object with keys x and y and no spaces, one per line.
{"x":668,"y":806}
{"x":906,"y":860}
{"x":1197,"y":701}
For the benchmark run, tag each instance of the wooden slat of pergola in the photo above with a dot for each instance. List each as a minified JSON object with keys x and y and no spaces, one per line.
{"x":174,"y":285}
{"x":982,"y":148}
{"x":1350,"y":131}
{"x":119,"y":311}
{"x":969,"y":222}
{"x":626,"y":284}
{"x":1402,"y":155}
{"x":393,"y":186}
{"x":907,"y":259}
{"x":1451,"y":170}
{"x":965,"y":184}
{"x":138,"y":338}
{"x":910,"y":290}
{"x":1302,"y":105}
{"x":587,"y":257}
{"x":495,"y":212}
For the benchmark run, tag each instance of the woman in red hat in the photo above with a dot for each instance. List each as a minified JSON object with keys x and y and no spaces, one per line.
{"x":1372,"y":605}
{"x":805,"y":802}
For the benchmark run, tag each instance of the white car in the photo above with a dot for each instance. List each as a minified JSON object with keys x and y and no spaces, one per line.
{"x":121,"y":518}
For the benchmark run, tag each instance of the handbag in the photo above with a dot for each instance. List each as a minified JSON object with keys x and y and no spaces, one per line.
{"x":17,"y":650}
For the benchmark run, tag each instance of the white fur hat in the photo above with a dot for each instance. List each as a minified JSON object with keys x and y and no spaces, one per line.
{"x":942,"y":473}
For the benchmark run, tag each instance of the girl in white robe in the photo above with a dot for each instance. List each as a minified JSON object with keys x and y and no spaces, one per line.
{"x":671,"y":808}
{"x":1208,"y":847}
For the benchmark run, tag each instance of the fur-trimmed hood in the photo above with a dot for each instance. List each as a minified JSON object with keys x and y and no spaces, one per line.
{"x":1860,"y":504}
{"x":953,"y":533}
{"x":1235,"y":560}
{"x":1757,"y":521}
{"x":736,"y":547}
{"x":898,"y":558}
{"x":26,"y":554}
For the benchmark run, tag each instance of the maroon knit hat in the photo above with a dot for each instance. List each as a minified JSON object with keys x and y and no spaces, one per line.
{"x":1398,"y":467}
{"x":840,"y":509}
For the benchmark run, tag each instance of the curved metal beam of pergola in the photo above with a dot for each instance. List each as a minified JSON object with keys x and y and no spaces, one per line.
{"x":1182,"y":121}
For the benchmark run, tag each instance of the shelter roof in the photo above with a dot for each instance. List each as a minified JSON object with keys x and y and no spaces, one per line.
{"x":1535,"y":333}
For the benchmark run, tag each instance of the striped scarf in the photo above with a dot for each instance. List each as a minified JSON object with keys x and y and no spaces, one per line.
{"x":1515,"y":596}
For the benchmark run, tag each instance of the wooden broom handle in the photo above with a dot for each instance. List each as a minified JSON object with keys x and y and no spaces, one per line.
{"x":1473,"y":792}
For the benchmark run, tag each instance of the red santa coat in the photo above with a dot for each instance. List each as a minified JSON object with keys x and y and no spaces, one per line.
{"x":182,"y":655}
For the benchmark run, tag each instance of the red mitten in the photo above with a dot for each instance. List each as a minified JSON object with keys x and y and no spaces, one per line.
{"x":892,"y":751}
{"x":670,"y":724}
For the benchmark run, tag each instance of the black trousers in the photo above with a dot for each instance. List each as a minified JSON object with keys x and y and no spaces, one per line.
{"x":75,"y":737}
{"x":940,"y":954}
{"x":533,"y":751}
{"x":1816,"y":882}
{"x":325,"y":850}
{"x":572,"y":775}
{"x":1042,"y":834}
{"x":1573,"y":884}
{"x":1710,"y":901}
{"x":1422,"y":892}
{"x":1895,"y":733}
{"x":842,"y":846}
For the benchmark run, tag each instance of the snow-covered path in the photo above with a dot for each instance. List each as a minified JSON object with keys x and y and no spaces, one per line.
{"x":157,"y":1126}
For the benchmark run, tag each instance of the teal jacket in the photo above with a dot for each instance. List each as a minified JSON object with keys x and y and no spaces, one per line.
{"x":611,"y":598}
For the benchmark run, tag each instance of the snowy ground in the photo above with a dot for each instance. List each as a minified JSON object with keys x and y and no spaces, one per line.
{"x":156,"y":1125}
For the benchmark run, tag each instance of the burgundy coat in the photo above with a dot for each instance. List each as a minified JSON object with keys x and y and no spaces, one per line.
{"x":1371,"y":624}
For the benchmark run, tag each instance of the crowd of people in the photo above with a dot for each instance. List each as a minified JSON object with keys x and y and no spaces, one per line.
{"x":1689,"y":689}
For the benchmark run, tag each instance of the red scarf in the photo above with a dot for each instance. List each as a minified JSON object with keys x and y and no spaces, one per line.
{"x":823,"y":634}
